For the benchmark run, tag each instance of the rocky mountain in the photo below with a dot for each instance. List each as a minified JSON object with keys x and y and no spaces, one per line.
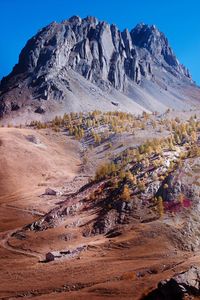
{"x":84,"y":64}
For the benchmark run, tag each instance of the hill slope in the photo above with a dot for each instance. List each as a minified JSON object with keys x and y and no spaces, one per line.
{"x":133,"y":224}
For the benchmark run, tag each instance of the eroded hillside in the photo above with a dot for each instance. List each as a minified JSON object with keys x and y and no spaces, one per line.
{"x":110,"y":195}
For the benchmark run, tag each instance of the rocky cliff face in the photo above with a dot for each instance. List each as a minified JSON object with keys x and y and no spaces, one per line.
{"x":55,"y":62}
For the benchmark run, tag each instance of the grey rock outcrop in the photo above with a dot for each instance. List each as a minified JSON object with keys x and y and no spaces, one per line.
{"x":53,"y":62}
{"x":155,"y":42}
{"x":185,"y":283}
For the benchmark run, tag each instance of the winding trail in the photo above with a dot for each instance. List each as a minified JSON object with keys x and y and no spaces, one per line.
{"x":29,"y":211}
{"x":5,"y":244}
{"x":6,"y":235}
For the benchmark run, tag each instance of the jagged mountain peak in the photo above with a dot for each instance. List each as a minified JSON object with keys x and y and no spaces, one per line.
{"x":149,"y":37}
{"x":135,"y":63}
{"x":144,"y":26}
{"x":75,"y":30}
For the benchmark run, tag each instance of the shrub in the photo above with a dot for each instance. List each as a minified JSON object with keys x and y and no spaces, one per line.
{"x":126,"y":195}
{"x":105,"y":170}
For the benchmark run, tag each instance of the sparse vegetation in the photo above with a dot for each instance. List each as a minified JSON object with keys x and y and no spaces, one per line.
{"x":126,"y":193}
{"x":134,"y":168}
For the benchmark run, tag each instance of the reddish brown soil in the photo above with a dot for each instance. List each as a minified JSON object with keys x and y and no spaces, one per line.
{"x":124,"y":267}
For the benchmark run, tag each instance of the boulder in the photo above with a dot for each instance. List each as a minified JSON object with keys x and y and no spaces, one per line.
{"x":33,"y":139}
{"x":40,"y":110}
{"x":177,"y":287}
{"x":50,"y":192}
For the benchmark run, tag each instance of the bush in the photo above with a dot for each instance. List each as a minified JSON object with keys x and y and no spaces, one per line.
{"x":126,"y":195}
{"x":105,"y":170}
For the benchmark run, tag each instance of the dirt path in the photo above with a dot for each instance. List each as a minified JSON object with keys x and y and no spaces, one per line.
{"x":29,"y":211}
{"x":6,"y":235}
{"x":4,"y":242}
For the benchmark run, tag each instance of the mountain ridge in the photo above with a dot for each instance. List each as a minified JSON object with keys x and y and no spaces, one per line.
{"x":78,"y":58}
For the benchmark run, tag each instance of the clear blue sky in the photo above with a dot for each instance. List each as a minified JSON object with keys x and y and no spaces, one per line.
{"x":178,"y":19}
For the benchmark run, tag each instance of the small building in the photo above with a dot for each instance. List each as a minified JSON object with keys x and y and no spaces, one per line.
{"x":51,"y":256}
